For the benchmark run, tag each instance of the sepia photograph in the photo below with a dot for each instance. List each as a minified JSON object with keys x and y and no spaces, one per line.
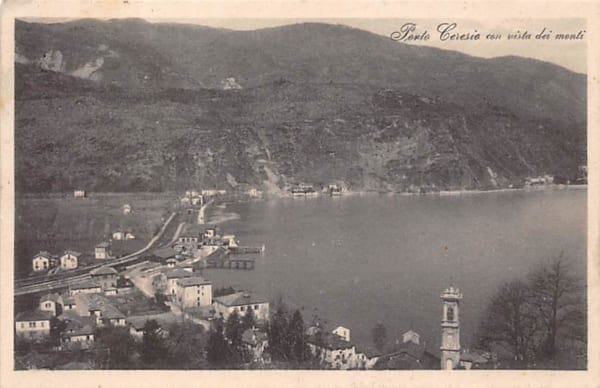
{"x":307,"y":194}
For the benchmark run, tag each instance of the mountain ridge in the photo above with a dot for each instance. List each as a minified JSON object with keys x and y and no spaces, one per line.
{"x":388,"y":119}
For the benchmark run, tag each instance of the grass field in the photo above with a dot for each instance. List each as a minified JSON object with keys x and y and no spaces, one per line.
{"x":59,"y":222}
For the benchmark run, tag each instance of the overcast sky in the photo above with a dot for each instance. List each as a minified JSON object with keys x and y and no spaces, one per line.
{"x":570,"y":54}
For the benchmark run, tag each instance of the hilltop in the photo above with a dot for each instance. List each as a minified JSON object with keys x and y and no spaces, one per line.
{"x":126,"y":105}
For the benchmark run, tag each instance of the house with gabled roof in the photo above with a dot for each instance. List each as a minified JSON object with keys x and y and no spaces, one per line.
{"x":334,"y":351}
{"x":33,"y":325}
{"x":69,"y":259}
{"x":241,"y":301}
{"x":85,"y":287}
{"x":78,"y":334}
{"x":105,"y":276}
{"x":102,"y":251}
{"x":51,"y":303}
{"x":43,"y":261}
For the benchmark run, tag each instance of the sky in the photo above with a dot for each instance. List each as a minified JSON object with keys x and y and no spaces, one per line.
{"x":570,"y":54}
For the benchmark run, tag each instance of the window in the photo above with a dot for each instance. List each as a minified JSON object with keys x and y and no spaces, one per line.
{"x":31,"y":324}
{"x":41,"y":324}
{"x":255,"y":307}
{"x":242,"y":308}
{"x":22,"y":325}
{"x":450,"y":313}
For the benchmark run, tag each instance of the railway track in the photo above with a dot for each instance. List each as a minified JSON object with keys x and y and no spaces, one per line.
{"x":29,"y":286}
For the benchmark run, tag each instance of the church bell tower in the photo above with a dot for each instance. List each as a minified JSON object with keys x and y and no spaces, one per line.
{"x":450,"y":328}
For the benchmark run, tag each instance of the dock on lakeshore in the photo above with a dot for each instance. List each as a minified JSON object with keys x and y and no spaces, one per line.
{"x":241,"y":250}
{"x":230,"y":263}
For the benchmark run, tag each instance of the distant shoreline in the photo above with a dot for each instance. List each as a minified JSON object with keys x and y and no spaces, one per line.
{"x":149,"y":194}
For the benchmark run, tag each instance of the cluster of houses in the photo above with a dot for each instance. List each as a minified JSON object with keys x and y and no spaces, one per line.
{"x":45,"y":261}
{"x":192,"y":197}
{"x":200,"y":241}
{"x":82,"y":308}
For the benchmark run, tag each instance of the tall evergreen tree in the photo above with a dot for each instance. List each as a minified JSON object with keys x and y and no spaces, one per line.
{"x":233,"y":333}
{"x":297,"y":336}
{"x":248,"y":320}
{"x":153,"y":347}
{"x":278,"y":327}
{"x":217,"y":348}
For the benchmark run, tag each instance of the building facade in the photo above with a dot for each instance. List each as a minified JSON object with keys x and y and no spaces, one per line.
{"x":70,"y":260}
{"x":450,"y":348}
{"x":241,"y":301}
{"x":194,"y":292}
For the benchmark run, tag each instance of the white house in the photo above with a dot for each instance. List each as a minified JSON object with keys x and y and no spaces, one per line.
{"x":102,"y":250}
{"x":342,"y":332}
{"x":111,"y":316}
{"x":105,"y":276}
{"x":69,"y":303}
{"x":33,"y":325}
{"x":173,"y":276}
{"x":411,"y":336}
{"x":76,"y":335}
{"x":118,"y":235}
{"x":43,"y":261}
{"x":194,"y":291}
{"x":79,"y":193}
{"x":126,"y":208}
{"x":69,"y":259}
{"x":51,"y":303}
{"x":241,"y":301}
{"x":85,"y":287}
{"x":335,"y":352}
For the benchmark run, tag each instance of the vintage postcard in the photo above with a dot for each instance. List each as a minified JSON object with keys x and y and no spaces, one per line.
{"x":262,"y":193}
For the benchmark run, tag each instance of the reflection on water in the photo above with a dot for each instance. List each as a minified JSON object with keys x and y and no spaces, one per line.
{"x":357,"y":260}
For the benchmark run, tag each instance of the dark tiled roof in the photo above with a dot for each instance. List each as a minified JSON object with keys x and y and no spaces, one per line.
{"x":84,"y":285}
{"x":111,"y":312}
{"x":34,"y":315}
{"x":70,"y":252}
{"x":104,"y":271}
{"x":165,"y":253}
{"x":239,"y":299}
{"x":195,"y":281}
{"x":179,"y":273}
{"x":330,"y":341}
{"x":50,"y":298}
{"x":103,"y":244}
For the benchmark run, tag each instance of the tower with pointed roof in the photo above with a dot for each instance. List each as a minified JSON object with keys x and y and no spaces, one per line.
{"x":450,"y":348}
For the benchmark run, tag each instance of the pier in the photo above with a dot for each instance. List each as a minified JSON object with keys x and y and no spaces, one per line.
{"x":230,"y":263}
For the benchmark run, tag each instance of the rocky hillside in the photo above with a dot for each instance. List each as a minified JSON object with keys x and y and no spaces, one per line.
{"x":127,"y":105}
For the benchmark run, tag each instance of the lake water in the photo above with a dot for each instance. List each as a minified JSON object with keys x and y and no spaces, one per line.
{"x":357,"y":260}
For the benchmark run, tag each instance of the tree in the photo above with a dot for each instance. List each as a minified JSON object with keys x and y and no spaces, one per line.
{"x":186,"y":344}
{"x":233,"y":333}
{"x":153,"y":346}
{"x":57,"y":328}
{"x":511,"y":324}
{"x":114,"y":348}
{"x":558,"y":299}
{"x":297,"y":338}
{"x":278,"y":345}
{"x":379,"y":336}
{"x":217,"y":348}
{"x":248,"y":320}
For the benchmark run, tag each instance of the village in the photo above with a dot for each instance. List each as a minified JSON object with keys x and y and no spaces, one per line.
{"x":165,"y":285}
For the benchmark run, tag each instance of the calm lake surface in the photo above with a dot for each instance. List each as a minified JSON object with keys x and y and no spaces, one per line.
{"x":357,"y":260}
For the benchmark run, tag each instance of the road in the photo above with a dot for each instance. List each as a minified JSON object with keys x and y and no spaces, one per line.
{"x":49,"y":285}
